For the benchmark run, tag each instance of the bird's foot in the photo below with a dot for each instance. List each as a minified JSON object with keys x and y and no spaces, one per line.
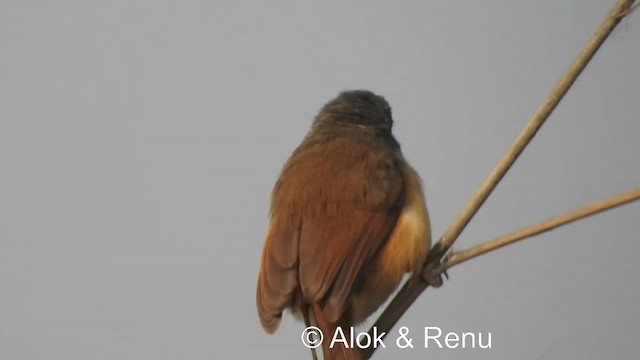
{"x":433,"y":275}
{"x":432,"y":278}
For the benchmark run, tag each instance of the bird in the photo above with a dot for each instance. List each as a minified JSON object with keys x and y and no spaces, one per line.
{"x":347,"y":220}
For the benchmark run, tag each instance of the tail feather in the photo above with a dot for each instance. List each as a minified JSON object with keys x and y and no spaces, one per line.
{"x":338,"y":351}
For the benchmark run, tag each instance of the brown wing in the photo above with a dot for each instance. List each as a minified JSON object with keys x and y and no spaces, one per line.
{"x":278,"y":276}
{"x":332,"y":210}
{"x":334,"y":251}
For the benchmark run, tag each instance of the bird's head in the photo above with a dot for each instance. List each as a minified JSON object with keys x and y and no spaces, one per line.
{"x":357,"y":107}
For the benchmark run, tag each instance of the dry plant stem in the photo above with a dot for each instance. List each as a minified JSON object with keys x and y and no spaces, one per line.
{"x":542,"y":227}
{"x":532,"y":126}
{"x":415,"y":286}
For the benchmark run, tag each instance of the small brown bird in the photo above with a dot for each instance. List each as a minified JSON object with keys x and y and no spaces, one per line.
{"x":348,"y":219}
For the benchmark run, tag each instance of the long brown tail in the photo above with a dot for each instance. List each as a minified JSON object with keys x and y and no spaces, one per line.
{"x":338,"y":351}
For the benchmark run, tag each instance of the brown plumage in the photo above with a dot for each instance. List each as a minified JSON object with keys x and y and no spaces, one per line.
{"x":348,"y":220}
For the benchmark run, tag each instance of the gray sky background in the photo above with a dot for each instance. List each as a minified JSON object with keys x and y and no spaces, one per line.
{"x":140,"y":140}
